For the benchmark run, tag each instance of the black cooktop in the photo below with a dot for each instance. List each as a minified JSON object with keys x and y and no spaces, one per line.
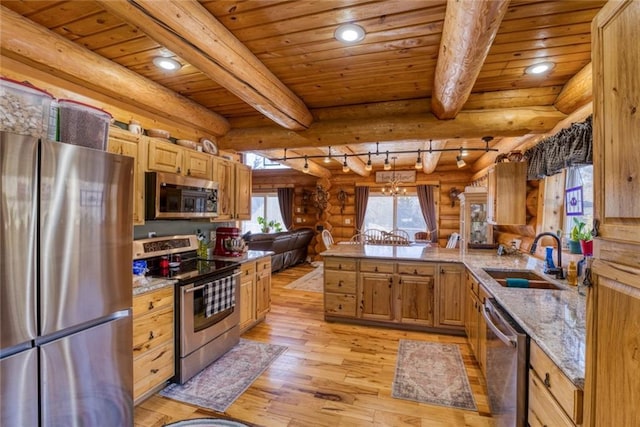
{"x":189,"y":268}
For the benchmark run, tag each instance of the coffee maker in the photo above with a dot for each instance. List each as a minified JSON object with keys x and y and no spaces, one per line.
{"x":228,"y":242}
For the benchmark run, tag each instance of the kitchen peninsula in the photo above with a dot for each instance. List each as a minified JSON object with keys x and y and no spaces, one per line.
{"x":553,"y":319}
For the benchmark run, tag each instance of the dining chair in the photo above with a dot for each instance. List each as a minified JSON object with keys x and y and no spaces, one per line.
{"x":422,"y":235}
{"x":327,"y":239}
{"x":374,"y":236}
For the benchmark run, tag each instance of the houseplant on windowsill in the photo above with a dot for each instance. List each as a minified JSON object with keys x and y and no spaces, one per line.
{"x":265,"y":226}
{"x":580,"y":233}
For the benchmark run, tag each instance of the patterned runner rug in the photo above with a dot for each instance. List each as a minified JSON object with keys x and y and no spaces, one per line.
{"x":432,"y":373}
{"x":310,"y":282}
{"x":220,"y":383}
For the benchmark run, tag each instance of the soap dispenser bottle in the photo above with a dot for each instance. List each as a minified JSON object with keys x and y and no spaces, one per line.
{"x":549,"y":260}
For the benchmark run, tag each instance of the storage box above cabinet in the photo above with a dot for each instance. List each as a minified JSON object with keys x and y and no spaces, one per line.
{"x":507,"y":194}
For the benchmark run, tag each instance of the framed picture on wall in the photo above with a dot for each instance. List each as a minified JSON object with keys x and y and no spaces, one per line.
{"x":573,"y":201}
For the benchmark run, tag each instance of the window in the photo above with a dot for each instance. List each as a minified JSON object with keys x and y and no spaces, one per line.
{"x":259,"y":162}
{"x":580,"y":177}
{"x":266,"y":206}
{"x":406,"y":213}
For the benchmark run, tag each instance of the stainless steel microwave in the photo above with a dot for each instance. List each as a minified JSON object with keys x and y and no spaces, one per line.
{"x":171,"y":196}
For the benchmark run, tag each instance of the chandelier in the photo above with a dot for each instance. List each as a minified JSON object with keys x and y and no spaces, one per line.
{"x":394,"y":184}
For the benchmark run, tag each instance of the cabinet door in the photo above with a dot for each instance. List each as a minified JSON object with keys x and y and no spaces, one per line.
{"x":263,"y":287}
{"x":451,"y":295}
{"x":471,"y":321}
{"x":507,"y":194}
{"x":198,"y":164}
{"x":164,"y":156}
{"x":416,"y":299}
{"x":243,"y":191}
{"x":376,"y":296}
{"x":247,"y":294}
{"x":130,"y":145}
{"x":223,"y":175}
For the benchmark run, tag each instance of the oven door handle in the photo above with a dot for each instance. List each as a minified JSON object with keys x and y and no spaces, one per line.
{"x":504,"y":338}
{"x":190,"y":290}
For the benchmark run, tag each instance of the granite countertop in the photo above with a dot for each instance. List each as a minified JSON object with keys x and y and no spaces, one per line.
{"x":247,"y":256}
{"x":554,"y":319}
{"x":144,"y":284}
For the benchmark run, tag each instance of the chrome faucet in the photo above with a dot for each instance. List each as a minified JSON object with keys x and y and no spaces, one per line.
{"x":558,"y":270}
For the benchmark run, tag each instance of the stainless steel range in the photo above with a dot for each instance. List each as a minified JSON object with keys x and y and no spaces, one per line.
{"x":206,"y":313}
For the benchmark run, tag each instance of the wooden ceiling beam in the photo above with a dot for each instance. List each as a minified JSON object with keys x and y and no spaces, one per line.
{"x":467,"y":124}
{"x":187,"y":29}
{"x":470,"y":26}
{"x":356,"y":165}
{"x":31,"y":44}
{"x":430,"y":160}
{"x":576,"y":92}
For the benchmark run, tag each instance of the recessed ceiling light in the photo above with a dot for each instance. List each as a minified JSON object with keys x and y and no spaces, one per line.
{"x":168,"y":64}
{"x":349,"y":33}
{"x":539,"y":68}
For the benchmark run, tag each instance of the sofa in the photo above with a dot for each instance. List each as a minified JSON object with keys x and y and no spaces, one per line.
{"x":289,"y":247}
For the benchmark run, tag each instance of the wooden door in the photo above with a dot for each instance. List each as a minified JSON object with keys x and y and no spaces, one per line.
{"x":127,"y":144}
{"x":612,"y":383}
{"x":223,"y":175}
{"x":376,"y":296}
{"x":164,"y":156}
{"x":416,"y":299}
{"x":451,"y":295}
{"x":198,"y":165}
{"x":243,"y":192}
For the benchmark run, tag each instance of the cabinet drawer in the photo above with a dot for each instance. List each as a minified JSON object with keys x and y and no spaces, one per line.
{"x":561,"y":388}
{"x":263,"y":264}
{"x":331,"y":263}
{"x":376,"y":267}
{"x":543,"y":409}
{"x":340,"y":304}
{"x":152,"y":369}
{"x":247,"y":269}
{"x":417,"y":269}
{"x":150,"y":301}
{"x":152,"y":330}
{"x":472,"y":283}
{"x":340,"y":281}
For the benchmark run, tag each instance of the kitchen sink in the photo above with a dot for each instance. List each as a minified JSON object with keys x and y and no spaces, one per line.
{"x":535,"y":281}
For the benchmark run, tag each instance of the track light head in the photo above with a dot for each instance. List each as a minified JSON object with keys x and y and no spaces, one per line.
{"x":461,"y":163}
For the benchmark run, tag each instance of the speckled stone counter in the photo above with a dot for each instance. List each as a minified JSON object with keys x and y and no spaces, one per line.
{"x":554,"y":319}
{"x":147,"y":284}
{"x":247,"y":256}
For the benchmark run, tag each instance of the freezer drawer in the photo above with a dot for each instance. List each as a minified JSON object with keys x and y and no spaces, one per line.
{"x":87,"y":377}
{"x":19,"y":389}
{"x":85,"y":235}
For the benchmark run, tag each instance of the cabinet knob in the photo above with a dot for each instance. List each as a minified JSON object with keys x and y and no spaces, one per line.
{"x":151,"y":307}
{"x":547,"y":380}
{"x":340,"y":283}
{"x":339,"y":306}
{"x":442,"y":271}
{"x":400,"y":281}
{"x":155,"y":371}
{"x":415,"y":271}
{"x":151,"y":336}
{"x":390,"y":280}
{"x":179,"y":170}
{"x":188,"y":171}
{"x":339,"y":266}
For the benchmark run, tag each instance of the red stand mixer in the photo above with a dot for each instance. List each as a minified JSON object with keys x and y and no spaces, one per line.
{"x":228,"y":242}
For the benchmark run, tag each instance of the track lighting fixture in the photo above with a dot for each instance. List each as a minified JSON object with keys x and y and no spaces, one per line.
{"x":345,"y":167}
{"x":418,"y":164}
{"x":387,"y":165}
{"x":368,"y":166}
{"x":327,"y":159}
{"x":305,"y":168}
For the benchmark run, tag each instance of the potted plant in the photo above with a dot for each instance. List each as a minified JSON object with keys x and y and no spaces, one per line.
{"x":264,"y":227}
{"x":581,"y":234}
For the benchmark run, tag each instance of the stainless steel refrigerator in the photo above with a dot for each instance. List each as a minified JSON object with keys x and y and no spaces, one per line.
{"x":65,"y":285}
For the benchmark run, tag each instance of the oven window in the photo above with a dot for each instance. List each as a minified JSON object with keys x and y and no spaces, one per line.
{"x":200,"y":321}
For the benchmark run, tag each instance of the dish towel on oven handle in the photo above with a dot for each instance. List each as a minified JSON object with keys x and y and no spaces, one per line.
{"x":219,"y":295}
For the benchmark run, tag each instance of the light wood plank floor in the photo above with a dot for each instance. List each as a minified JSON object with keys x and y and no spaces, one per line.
{"x":331,"y":375}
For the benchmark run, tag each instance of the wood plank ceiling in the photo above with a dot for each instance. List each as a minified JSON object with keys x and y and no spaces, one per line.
{"x":450,"y":72}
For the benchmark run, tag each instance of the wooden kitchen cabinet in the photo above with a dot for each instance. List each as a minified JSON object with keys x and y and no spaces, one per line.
{"x":612,"y":388}
{"x":255,"y":292}
{"x":247,"y":295}
{"x":234,"y":189}
{"x":416,"y":284}
{"x":475,"y":325}
{"x":450,"y":294}
{"x":131,"y":145}
{"x":340,"y":287}
{"x":263,"y":287}
{"x":375,"y":290}
{"x":553,"y":399}
{"x":507,"y":193}
{"x":167,"y":157}
{"x":153,"y":342}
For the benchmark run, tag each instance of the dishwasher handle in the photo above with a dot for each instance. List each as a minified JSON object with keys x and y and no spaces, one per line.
{"x":501,"y":335}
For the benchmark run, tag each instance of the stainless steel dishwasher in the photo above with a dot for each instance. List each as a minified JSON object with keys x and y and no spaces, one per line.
{"x":507,"y":354}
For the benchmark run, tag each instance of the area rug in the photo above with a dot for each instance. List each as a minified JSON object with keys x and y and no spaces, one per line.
{"x":432,"y":373}
{"x":310,"y":282}
{"x":220,"y":384}
{"x":206,"y":422}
